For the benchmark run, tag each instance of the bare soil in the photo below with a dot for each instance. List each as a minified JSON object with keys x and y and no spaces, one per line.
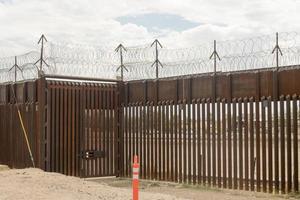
{"x":193,"y":192}
{"x":35,"y":184}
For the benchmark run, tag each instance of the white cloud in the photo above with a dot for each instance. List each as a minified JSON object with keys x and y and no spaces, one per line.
{"x":94,"y":22}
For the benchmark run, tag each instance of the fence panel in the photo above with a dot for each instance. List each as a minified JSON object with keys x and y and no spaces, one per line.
{"x":243,"y":139}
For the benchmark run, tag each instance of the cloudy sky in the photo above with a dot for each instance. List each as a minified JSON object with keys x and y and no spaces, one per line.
{"x":134,"y":22}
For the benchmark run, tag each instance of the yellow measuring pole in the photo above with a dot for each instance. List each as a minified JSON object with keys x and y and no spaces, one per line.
{"x":23,"y":127}
{"x":25,"y":135}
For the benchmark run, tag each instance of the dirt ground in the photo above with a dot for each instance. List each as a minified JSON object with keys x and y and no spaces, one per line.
{"x":181,"y":191}
{"x":35,"y":184}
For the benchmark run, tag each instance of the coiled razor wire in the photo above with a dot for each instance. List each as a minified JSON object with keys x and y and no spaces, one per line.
{"x":102,"y":62}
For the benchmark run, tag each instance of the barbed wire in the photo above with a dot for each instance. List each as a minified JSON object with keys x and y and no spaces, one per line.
{"x":102,"y":61}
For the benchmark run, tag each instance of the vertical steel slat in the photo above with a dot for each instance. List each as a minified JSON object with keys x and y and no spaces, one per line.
{"x":77,"y":132}
{"x":141,"y":137}
{"x":246,"y":143}
{"x":129,"y":138}
{"x":61,"y":140}
{"x":145,"y":135}
{"x":97,"y":122}
{"x":87,"y":128}
{"x":257,"y":131}
{"x":118,"y":130}
{"x":94,"y":128}
{"x":176,"y":132}
{"x":184,"y":142}
{"x":158,"y":144}
{"x":93,"y":132}
{"x":134,"y":149}
{"x":4,"y":142}
{"x":194,"y":139}
{"x":70,"y":141}
{"x":11,"y":131}
{"x":224,"y":138}
{"x":156,"y":138}
{"x":282,"y":144}
{"x":65,"y":129}
{"x":163,"y":141}
{"x":25,"y":156}
{"x":2,"y":136}
{"x":27,"y":126}
{"x":104,"y":127}
{"x":167,"y":139}
{"x":230,"y":134}
{"x":199,"y":157}
{"x":203,"y":141}
{"x":137,"y":125}
{"x":73,"y":130}
{"x":295,"y":144}
{"x":218,"y":147}
{"x":8,"y":122}
{"x":180,"y":158}
{"x":109,"y":133}
{"x":189,"y":142}
{"x":126,"y":139}
{"x":251,"y":134}
{"x":234,"y":122}
{"x":289,"y":144}
{"x":18,"y":140}
{"x":213,"y":139}
{"x":276,"y":145}
{"x":113,"y":136}
{"x":240,"y":141}
{"x":53,"y":144}
{"x":270,"y":146}
{"x":83,"y":123}
{"x":57,"y":130}
{"x":5,"y":131}
{"x":208,"y":121}
{"x":263,"y":141}
{"x":147,"y":139}
{"x":172,"y":142}
{"x":152,"y":150}
{"x":77,"y":128}
{"x":10,"y":135}
{"x":101,"y":130}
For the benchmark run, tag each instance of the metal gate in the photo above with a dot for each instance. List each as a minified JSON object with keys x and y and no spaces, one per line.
{"x":99,"y":135}
{"x":82,"y":128}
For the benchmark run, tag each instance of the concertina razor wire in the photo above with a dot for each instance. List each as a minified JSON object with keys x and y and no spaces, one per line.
{"x":98,"y":62}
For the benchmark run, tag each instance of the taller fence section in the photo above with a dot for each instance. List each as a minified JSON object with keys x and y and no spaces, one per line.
{"x":233,"y":130}
{"x":14,"y":151}
{"x":82,"y":127}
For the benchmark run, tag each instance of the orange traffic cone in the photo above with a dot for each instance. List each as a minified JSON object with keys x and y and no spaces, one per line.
{"x":135,"y":178}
